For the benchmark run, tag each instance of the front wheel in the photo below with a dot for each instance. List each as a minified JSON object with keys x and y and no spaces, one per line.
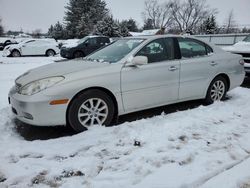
{"x":15,"y":53}
{"x":217,"y":90}
{"x":93,"y":107}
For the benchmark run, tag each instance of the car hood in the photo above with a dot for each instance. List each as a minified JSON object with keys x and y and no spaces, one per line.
{"x":240,"y":47}
{"x":58,"y":69}
{"x":12,"y":46}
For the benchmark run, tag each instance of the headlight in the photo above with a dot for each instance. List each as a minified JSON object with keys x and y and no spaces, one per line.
{"x":39,"y":85}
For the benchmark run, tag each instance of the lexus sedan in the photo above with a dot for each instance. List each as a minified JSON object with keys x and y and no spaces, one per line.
{"x":32,"y":47}
{"x":129,"y":75}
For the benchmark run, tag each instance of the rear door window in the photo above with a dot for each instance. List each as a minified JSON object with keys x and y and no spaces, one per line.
{"x":190,"y":48}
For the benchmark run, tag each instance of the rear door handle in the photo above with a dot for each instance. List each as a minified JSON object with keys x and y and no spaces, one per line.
{"x":173,"y":68}
{"x":213,"y":63}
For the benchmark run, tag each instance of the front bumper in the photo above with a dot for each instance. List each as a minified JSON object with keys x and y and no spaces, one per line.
{"x":66,"y":54}
{"x":6,"y":53}
{"x":36,"y":110}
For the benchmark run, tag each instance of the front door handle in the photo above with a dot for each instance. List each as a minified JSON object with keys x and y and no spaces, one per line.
{"x":173,"y":68}
{"x":213,"y":63}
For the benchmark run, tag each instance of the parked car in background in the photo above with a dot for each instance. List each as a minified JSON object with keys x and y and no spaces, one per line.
{"x":242,"y":48}
{"x":129,"y":75}
{"x":32,"y":47}
{"x":5,"y":42}
{"x":83,"y":47}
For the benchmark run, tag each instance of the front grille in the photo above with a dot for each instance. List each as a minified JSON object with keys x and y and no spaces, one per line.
{"x":14,"y":111}
{"x":247,"y":60}
{"x":18,"y":87}
{"x":246,"y":57}
{"x":244,"y":54}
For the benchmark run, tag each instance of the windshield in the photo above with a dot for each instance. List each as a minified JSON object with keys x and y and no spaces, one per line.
{"x":115,"y":51}
{"x":82,"y":40}
{"x":247,"y":39}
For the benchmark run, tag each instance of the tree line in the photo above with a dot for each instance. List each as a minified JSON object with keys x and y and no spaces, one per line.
{"x":84,"y":17}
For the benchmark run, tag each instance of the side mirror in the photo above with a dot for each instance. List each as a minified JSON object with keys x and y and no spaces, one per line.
{"x":137,"y":61}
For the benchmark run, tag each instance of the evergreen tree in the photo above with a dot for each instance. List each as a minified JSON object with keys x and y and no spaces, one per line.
{"x":82,"y":16}
{"x":108,"y":27}
{"x":57,"y":31}
{"x":209,"y":26}
{"x":1,"y":28}
{"x":148,"y":24}
{"x":130,"y":24}
{"x":50,"y":31}
{"x":124,"y":29}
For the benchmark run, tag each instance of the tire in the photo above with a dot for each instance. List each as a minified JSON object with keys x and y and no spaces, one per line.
{"x":82,"y":114}
{"x":15,"y":53}
{"x":78,"y":54}
{"x":217,"y":90}
{"x":50,"y":53}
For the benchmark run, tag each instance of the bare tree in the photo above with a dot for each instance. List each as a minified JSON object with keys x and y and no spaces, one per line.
{"x":189,"y":14}
{"x":230,"y":23}
{"x":159,"y":14}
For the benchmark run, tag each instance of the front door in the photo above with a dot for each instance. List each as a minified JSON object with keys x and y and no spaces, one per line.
{"x":155,"y":83}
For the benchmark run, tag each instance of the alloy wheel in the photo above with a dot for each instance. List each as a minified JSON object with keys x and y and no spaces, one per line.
{"x":218,"y":90}
{"x":93,"y":111}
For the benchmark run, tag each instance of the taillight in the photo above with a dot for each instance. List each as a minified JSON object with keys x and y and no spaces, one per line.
{"x":242,"y":62}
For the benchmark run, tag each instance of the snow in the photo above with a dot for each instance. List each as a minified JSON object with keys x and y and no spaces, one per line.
{"x":208,"y":146}
{"x":240,"y":47}
{"x":69,"y":43}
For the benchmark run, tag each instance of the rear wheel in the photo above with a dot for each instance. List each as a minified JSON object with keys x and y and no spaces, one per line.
{"x":15,"y":53}
{"x":93,"y":107}
{"x":50,"y":53}
{"x":217,"y":90}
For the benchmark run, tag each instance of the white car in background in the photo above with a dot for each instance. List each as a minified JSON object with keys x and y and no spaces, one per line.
{"x":32,"y":47}
{"x":242,"y":48}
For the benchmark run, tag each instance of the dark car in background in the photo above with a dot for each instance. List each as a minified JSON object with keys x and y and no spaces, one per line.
{"x":84,"y":47}
{"x":5,"y":42}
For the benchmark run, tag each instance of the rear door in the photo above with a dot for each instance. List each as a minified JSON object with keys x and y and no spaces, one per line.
{"x":197,"y":68}
{"x":154,"y":84}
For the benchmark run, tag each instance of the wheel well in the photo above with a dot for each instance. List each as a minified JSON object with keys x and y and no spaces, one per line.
{"x":15,"y":50}
{"x":109,"y":93}
{"x":226,"y":78}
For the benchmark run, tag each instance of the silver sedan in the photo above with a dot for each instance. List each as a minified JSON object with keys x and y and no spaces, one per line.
{"x":129,"y":75}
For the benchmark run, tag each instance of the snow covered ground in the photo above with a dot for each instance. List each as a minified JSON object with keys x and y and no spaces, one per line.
{"x":208,"y":146}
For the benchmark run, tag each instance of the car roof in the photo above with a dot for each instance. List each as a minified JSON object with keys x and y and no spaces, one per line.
{"x":160,"y":36}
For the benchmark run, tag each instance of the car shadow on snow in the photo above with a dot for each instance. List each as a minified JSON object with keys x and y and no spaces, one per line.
{"x":246,"y":82}
{"x":30,"y":133}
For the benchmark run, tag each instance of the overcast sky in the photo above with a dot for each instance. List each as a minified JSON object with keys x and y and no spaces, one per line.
{"x":40,"y":14}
